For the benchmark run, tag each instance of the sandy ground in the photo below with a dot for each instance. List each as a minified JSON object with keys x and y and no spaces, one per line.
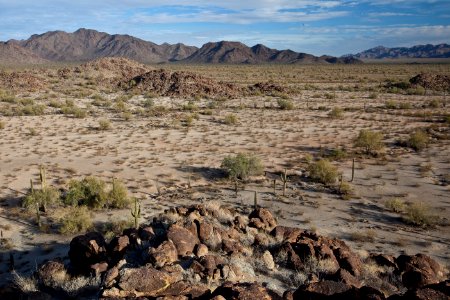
{"x":147,"y":153}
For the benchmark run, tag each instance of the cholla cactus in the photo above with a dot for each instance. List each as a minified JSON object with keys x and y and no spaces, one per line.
{"x":136,"y":212}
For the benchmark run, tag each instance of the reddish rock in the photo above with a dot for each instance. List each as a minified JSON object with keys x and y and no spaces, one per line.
{"x":363,"y":293}
{"x":244,"y":291}
{"x":202,"y":250}
{"x":287,"y":234}
{"x":349,"y":261}
{"x":418,"y":270}
{"x":209,"y":235}
{"x":320,"y":290}
{"x":183,"y":239}
{"x":304,"y":249}
{"x":117,"y":247}
{"x":231,"y":246}
{"x":166,"y":253}
{"x":261,"y":240}
{"x":98,"y":268}
{"x":111,"y":275}
{"x":144,"y":281}
{"x":239,"y":223}
{"x":51,"y":273}
{"x":344,"y":276}
{"x":286,"y":256}
{"x":86,"y":250}
{"x":383,"y":260}
{"x":133,"y":237}
{"x":262,"y":218}
{"x":146,"y":233}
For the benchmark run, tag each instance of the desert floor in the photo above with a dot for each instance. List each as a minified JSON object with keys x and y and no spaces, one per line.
{"x":157,"y":156}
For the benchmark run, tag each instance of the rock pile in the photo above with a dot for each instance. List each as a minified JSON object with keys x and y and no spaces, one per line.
{"x":211,"y":252}
{"x":180,"y":84}
{"x":23,"y":81}
{"x":430,"y":81}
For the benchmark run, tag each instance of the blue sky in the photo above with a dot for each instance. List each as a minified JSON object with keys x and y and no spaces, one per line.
{"x":318,"y":27}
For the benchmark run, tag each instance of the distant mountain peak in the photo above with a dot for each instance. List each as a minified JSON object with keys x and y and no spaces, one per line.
{"x":89,"y":44}
{"x":418,"y":51}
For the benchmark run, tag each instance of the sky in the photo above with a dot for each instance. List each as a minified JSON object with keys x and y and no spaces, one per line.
{"x":330,"y":27}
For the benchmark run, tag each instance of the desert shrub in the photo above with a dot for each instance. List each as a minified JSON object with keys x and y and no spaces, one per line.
{"x":447,"y":119}
{"x":418,"y":140}
{"x":373,"y":95}
{"x":336,"y":113}
{"x":127,"y":116}
{"x":390,"y":104}
{"x":367,"y":236}
{"x":90,"y":191}
{"x":120,"y":106}
{"x":418,"y":213}
{"x":42,"y":198}
{"x":345,"y":190}
{"x":2,"y":125}
{"x":230,"y":119}
{"x":77,"y":220}
{"x":116,"y":227}
{"x":369,"y":140}
{"x":118,"y":196}
{"x":190,"y":106}
{"x":104,"y":124}
{"x":242,"y":166}
{"x":7,"y":97}
{"x":31,"y":110}
{"x":323,"y":171}
{"x":285,"y":104}
{"x":148,"y":103}
{"x":337,"y":154}
{"x":395,"y":205}
{"x":405,"y":105}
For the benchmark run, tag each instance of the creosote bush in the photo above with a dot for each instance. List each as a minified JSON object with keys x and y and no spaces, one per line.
{"x":285,"y":104}
{"x":242,"y":166}
{"x":369,"y":140}
{"x":230,"y":119}
{"x":118,"y":196}
{"x":418,"y":213}
{"x":104,"y":124}
{"x":90,"y":192}
{"x":323,"y":171}
{"x":77,"y":220}
{"x":42,"y":197}
{"x":336,"y":113}
{"x":418,"y":140}
{"x":395,"y":205}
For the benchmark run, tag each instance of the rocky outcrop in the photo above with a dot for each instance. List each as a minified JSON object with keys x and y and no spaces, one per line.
{"x":203,"y":256}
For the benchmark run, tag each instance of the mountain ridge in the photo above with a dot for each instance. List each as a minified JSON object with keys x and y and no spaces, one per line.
{"x":88,"y":44}
{"x":417,"y":51}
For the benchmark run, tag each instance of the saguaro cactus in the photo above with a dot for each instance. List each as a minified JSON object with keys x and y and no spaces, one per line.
{"x":37,"y":204}
{"x":353,"y":170}
{"x":284,"y":179}
{"x":136,"y":212}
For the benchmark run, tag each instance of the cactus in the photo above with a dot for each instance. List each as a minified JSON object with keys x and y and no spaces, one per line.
{"x":42,"y":177}
{"x":353,"y":170}
{"x":136,"y":212}
{"x":284,"y":179}
{"x":38,"y":213}
{"x":255,"y":200}
{"x":274,"y":187}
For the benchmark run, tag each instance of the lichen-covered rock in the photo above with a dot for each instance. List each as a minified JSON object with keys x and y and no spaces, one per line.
{"x":166,"y":253}
{"x":262,"y":218}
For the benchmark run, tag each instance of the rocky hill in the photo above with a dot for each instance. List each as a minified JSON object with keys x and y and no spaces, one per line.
{"x":419,"y":51}
{"x":87,"y":44}
{"x":206,"y":251}
{"x":238,"y":53}
{"x":12,"y":53}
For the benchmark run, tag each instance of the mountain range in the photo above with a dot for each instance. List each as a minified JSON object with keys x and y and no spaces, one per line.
{"x":87,"y":44}
{"x":419,"y":51}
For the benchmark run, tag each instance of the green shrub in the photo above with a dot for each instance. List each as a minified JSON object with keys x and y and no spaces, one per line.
{"x":118,"y":196}
{"x":390,"y":104}
{"x":148,"y":103}
{"x":104,"y":124}
{"x":90,"y":191}
{"x":336,"y":113}
{"x":418,"y":140}
{"x":285,"y":104}
{"x":323,"y":171}
{"x":369,"y":140}
{"x":230,"y":119}
{"x":418,"y":213}
{"x":2,"y":125}
{"x":127,"y":116}
{"x":395,"y":205}
{"x":42,"y":197}
{"x":242,"y":166}
{"x":77,"y":220}
{"x":190,"y":106}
